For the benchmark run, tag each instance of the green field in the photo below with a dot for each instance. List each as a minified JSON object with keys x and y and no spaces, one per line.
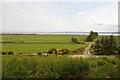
{"x":39,"y":43}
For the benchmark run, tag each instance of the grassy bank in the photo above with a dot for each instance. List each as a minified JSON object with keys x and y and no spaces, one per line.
{"x":59,"y":66}
{"x":41,"y":67}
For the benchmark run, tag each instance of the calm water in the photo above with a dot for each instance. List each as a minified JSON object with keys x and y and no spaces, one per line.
{"x":81,"y":33}
{"x":65,"y":33}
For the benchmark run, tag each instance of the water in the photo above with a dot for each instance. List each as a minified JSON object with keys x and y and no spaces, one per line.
{"x":67,"y":33}
{"x":81,"y":33}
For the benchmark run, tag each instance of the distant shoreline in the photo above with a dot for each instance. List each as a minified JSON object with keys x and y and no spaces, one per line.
{"x":63,"y":33}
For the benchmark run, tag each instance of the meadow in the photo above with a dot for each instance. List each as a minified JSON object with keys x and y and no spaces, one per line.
{"x":59,"y":67}
{"x":39,"y":43}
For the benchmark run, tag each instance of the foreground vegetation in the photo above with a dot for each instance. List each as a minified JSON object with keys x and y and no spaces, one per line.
{"x":59,"y":67}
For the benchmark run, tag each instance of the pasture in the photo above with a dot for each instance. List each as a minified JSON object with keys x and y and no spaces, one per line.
{"x":39,"y":43}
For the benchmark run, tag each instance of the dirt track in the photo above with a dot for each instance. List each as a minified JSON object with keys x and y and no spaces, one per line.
{"x":86,"y":54}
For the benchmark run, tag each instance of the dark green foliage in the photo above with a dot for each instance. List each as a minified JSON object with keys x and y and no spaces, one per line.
{"x":106,"y":71}
{"x":104,"y":67}
{"x":118,"y":48}
{"x":58,"y":51}
{"x":10,"y":52}
{"x":4,"y":53}
{"x":92,"y":36}
{"x":64,"y":51}
{"x":106,"y":46}
{"x":39,"y":53}
{"x":78,"y":51}
{"x":101,"y":63}
{"x":74,"y":40}
{"x":52,"y":51}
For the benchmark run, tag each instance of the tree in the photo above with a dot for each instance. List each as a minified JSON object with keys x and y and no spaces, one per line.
{"x":92,"y":36}
{"x":74,"y":40}
{"x":106,"y":46}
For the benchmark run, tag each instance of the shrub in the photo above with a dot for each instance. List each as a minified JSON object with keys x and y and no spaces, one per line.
{"x":58,"y":51}
{"x":74,"y":40}
{"x":10,"y":52}
{"x":106,"y":71}
{"x":78,"y":51}
{"x":4,"y":53}
{"x":101,"y":63}
{"x":106,"y":46}
{"x":52,"y":51}
{"x":39,"y":53}
{"x":64,"y":51}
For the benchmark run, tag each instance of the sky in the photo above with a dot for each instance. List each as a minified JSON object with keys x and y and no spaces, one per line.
{"x":59,"y":16}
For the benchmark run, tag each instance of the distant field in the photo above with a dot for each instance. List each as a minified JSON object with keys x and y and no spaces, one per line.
{"x":39,"y":43}
{"x":40,"y":38}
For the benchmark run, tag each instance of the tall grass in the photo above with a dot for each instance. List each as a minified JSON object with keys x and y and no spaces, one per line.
{"x":41,"y":67}
{"x":104,"y":67}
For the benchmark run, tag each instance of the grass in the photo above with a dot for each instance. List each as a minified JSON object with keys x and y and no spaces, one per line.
{"x":39,"y":43}
{"x":41,"y":67}
{"x":40,"y":38}
{"x":34,"y":48}
{"x":104,"y":67}
{"x":56,"y":66}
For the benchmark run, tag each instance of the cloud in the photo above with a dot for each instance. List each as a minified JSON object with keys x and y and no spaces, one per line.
{"x":99,"y":23}
{"x":81,"y":13}
{"x":104,"y":14}
{"x":59,"y":0}
{"x":31,"y":17}
{"x":37,"y":17}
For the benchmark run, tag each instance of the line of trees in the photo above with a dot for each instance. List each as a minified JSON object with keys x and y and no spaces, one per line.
{"x":106,"y":46}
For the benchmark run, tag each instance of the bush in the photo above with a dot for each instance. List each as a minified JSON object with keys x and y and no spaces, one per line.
{"x":79,"y":51}
{"x":74,"y":40}
{"x":64,"y":51}
{"x":58,"y":51}
{"x":10,"y":52}
{"x":106,"y":71}
{"x":106,"y":46}
{"x":52,"y":51}
{"x":39,"y":53}
{"x":4,"y":53}
{"x":101,"y":63}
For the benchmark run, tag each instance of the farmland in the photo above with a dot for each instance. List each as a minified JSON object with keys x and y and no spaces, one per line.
{"x":39,"y":43}
{"x":53,"y":66}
